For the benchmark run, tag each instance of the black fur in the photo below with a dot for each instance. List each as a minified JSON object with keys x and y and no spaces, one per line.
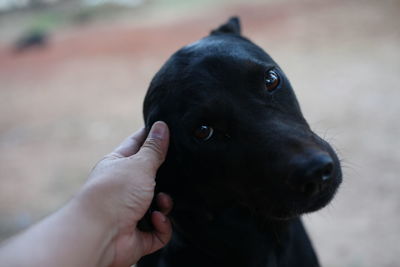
{"x":238,"y":195}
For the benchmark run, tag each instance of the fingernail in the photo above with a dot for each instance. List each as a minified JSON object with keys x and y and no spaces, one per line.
{"x":158,"y":130}
{"x":163,"y":219}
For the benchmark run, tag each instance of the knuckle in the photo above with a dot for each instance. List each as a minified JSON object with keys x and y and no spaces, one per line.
{"x":112,"y":155}
{"x":154,"y":146}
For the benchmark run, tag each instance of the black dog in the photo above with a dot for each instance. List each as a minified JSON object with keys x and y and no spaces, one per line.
{"x":243,"y":164}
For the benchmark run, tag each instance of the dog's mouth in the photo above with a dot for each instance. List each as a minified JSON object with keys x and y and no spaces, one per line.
{"x":291,"y":204}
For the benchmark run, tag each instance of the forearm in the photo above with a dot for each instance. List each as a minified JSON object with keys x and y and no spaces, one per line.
{"x":72,"y":236}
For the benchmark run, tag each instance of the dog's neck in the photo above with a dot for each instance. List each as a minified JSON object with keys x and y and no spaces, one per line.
{"x":221,"y":235}
{"x":232,"y":238}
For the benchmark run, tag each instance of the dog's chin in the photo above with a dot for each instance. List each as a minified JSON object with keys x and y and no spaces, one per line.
{"x":294,"y":208}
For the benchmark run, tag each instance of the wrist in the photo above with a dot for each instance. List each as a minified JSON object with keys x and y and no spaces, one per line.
{"x":95,"y":227}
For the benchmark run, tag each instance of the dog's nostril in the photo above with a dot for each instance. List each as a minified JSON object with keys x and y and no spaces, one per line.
{"x":312,"y":175}
{"x":320,"y":168}
{"x":327,"y":171}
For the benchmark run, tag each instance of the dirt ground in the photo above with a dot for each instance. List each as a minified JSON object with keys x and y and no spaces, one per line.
{"x":64,"y":106}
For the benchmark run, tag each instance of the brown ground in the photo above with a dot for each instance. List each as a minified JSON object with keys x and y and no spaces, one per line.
{"x":63,"y":107}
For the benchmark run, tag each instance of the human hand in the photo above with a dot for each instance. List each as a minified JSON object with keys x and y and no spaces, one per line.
{"x":98,"y":227}
{"x":120,"y":190}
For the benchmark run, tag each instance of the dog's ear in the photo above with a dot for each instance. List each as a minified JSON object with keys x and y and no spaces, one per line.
{"x":231,"y":26}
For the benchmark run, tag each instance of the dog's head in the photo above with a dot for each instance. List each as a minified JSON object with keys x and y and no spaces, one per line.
{"x":238,"y":136}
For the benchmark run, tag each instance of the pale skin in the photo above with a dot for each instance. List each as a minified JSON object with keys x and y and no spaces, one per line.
{"x":98,"y":226}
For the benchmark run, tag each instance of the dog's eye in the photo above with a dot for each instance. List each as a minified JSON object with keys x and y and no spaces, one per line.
{"x":272,"y":80}
{"x":203,"y":132}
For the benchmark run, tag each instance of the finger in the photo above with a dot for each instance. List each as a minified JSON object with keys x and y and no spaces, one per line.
{"x":164,"y":203}
{"x":130,"y":145}
{"x":160,"y":236}
{"x":154,"y":148}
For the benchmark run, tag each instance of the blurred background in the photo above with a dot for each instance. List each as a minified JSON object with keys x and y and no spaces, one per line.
{"x":73,"y":75}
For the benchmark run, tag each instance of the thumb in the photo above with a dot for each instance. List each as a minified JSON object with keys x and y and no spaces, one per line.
{"x":155,"y":147}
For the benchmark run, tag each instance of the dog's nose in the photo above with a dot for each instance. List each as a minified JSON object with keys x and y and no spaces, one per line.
{"x":311,"y":174}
